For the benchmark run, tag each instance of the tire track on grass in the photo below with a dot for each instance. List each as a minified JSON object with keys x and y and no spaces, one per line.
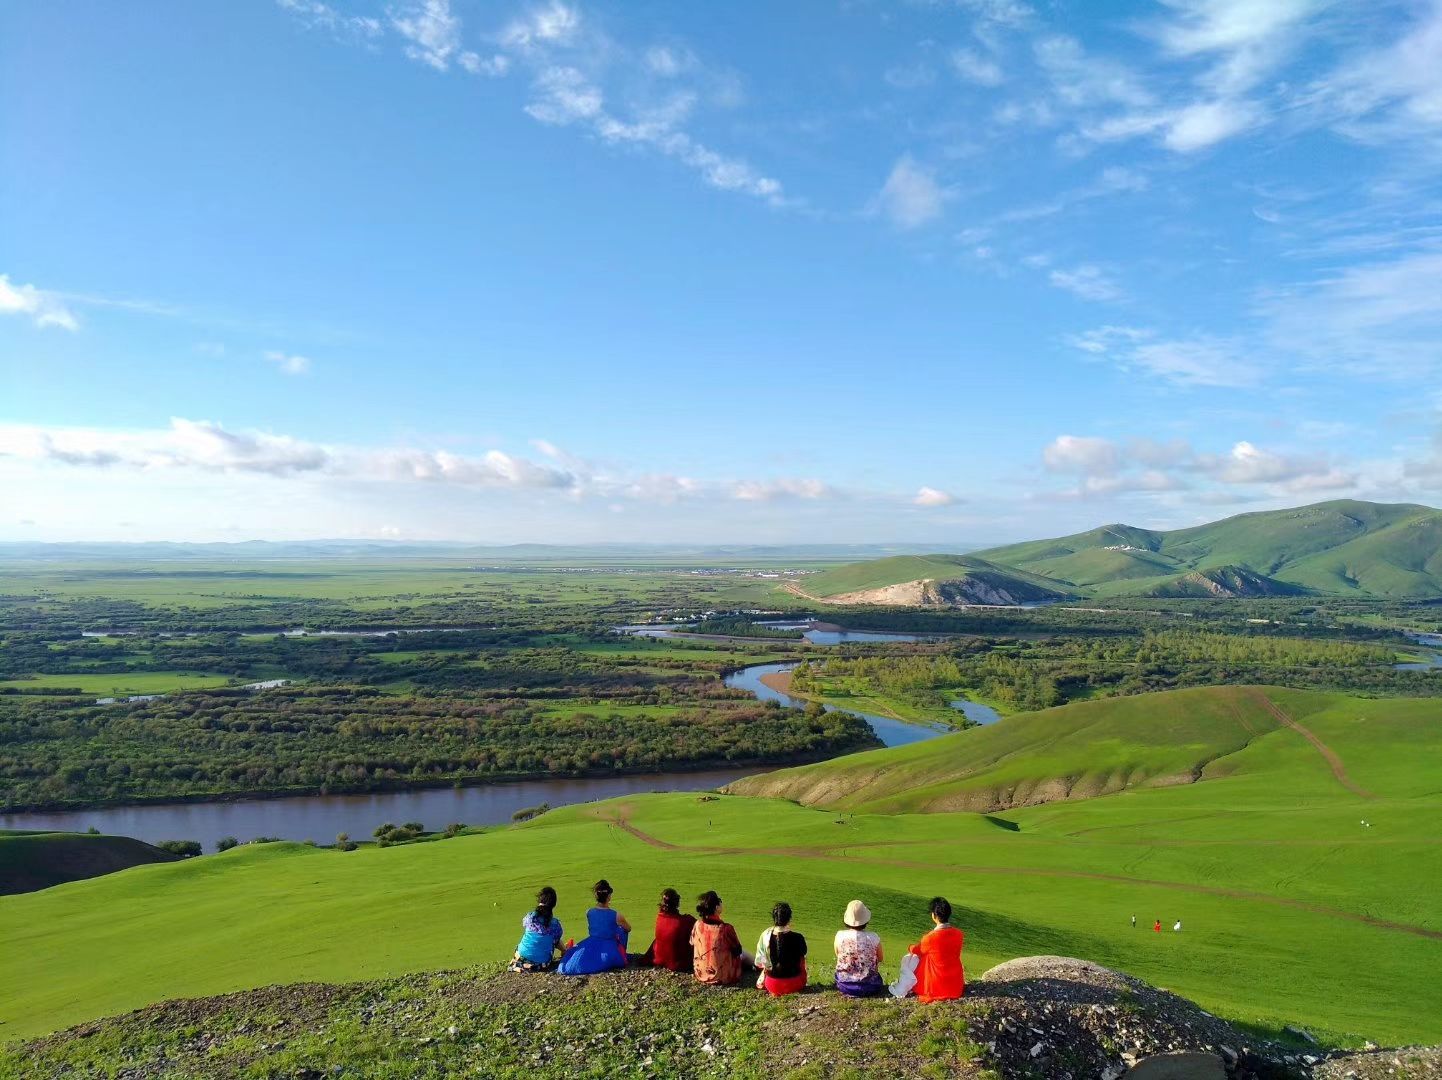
{"x":1334,"y":762}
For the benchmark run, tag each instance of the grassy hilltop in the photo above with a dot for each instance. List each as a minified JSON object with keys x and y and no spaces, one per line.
{"x":1283,"y":893}
{"x":1340,"y":548}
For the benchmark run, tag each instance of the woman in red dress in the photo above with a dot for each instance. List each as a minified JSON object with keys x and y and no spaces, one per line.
{"x":672,"y":947}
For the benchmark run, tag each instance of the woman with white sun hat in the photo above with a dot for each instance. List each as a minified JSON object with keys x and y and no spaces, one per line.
{"x":858,"y":954}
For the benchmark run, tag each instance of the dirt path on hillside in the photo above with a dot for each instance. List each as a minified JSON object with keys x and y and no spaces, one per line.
{"x":828,"y":854}
{"x":1333,"y":761}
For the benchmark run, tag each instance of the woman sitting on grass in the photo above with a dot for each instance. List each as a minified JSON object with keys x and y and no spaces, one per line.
{"x":781,"y":955}
{"x":932,"y":970}
{"x":540,"y":935}
{"x":672,"y":947}
{"x":604,"y":948}
{"x":717,"y":955}
{"x":858,"y":954}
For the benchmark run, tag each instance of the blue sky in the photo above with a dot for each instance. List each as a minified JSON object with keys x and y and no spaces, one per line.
{"x":859,"y":271}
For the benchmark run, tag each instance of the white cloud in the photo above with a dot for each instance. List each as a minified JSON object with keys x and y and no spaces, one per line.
{"x":669,"y":61}
{"x":42,"y":308}
{"x":930,"y":496}
{"x":563,"y":96}
{"x":432,"y":31}
{"x":972,"y":66}
{"x":769,"y":490}
{"x":1246,"y":38}
{"x":1081,"y":80}
{"x":1247,"y":464}
{"x":1087,"y":281}
{"x":1107,"y":467}
{"x":1393,"y":93}
{"x":1191,"y":362}
{"x":494,"y":66}
{"x":1206,"y":123}
{"x":1082,"y":454}
{"x":554,"y":24}
{"x":911,"y":196}
{"x":289,"y":364}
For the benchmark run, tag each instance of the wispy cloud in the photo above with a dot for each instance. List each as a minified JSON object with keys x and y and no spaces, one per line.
{"x":1187,"y":362}
{"x":1379,"y":319}
{"x":432,"y":32}
{"x":911,"y":195}
{"x":581,"y":78}
{"x":44,"y":309}
{"x":326,"y":17}
{"x":973,"y":66}
{"x":1087,"y":281}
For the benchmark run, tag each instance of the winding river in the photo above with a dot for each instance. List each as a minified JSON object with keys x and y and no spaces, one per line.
{"x":321,"y":817}
{"x":1433,"y":661}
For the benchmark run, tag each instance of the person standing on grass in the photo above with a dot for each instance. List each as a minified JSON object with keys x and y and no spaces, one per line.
{"x":781,"y":955}
{"x":858,"y":954}
{"x":717,"y":956}
{"x":540,"y":935}
{"x":672,"y":948}
{"x":604,"y":948}
{"x":1157,"y":926}
{"x":932,"y":969}
{"x":1134,"y":922}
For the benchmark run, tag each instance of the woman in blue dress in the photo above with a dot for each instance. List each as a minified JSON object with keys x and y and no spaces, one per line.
{"x":604,"y":948}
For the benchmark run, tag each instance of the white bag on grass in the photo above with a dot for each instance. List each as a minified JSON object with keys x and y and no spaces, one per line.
{"x":906,"y":981}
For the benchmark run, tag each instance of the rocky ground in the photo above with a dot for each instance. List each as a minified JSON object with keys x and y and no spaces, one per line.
{"x":1038,"y":1017}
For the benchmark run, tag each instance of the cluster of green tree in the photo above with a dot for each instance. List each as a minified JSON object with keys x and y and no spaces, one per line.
{"x":742,"y":626}
{"x":1025,"y":674}
{"x":929,"y":680}
{"x":57,"y":753}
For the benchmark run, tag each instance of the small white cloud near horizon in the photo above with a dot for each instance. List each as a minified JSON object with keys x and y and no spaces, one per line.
{"x":930,"y":496}
{"x":44,"y":309}
{"x":289,"y":364}
{"x":910,"y":197}
{"x":785,"y":488}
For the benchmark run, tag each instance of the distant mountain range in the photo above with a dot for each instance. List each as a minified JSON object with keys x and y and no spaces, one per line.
{"x":1340,"y":548}
{"x":538,"y":554}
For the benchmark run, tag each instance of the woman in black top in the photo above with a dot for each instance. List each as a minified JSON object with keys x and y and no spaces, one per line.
{"x":781,"y":955}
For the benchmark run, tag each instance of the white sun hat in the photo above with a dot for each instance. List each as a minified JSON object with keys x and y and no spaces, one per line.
{"x":857,"y":914}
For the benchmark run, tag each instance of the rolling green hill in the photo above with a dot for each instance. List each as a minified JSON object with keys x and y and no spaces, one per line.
{"x":1093,"y":748}
{"x":1285,"y":895}
{"x":1343,"y":547}
{"x":931,"y":580}
{"x":31,"y":860}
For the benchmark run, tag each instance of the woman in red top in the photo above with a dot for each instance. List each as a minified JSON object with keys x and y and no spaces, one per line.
{"x":672,"y":947}
{"x":939,"y":975}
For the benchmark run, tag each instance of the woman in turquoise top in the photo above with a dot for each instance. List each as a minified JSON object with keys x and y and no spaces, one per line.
{"x":604,"y":948}
{"x":540,"y":935}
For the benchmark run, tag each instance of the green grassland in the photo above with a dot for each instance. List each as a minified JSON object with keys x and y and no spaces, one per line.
{"x":140,"y":682}
{"x":1340,"y":548}
{"x":1091,"y":748}
{"x":1293,"y":911}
